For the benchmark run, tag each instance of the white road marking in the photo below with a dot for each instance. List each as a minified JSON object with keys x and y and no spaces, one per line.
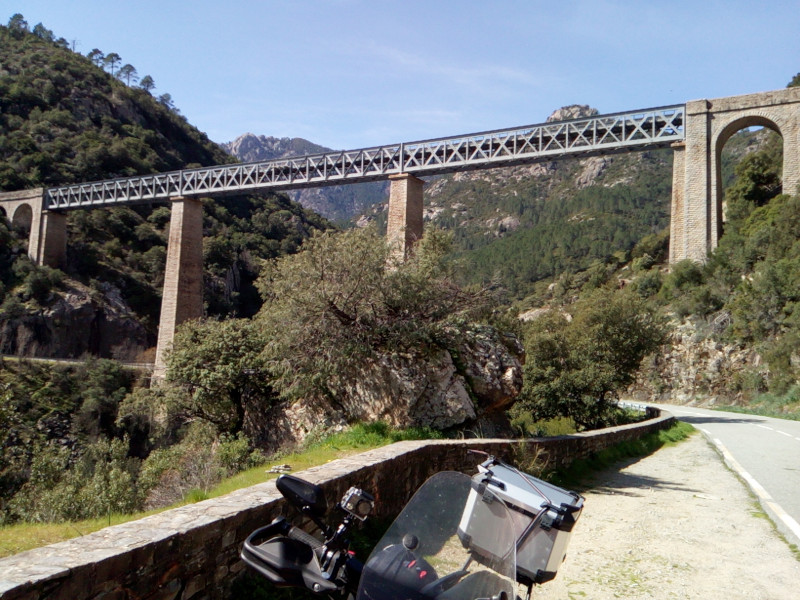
{"x":762,"y":494}
{"x":765,"y":427}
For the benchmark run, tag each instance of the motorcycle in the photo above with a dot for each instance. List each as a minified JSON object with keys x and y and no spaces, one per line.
{"x":458,"y":538}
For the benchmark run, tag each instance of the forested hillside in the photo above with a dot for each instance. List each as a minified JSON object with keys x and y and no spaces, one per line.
{"x":517,"y":226}
{"x":63,"y":119}
{"x":68,"y":118}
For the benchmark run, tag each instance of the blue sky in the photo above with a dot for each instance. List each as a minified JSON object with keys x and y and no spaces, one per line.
{"x":356,"y":73}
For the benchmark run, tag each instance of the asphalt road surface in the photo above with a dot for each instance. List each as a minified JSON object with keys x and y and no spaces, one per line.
{"x":765,"y":452}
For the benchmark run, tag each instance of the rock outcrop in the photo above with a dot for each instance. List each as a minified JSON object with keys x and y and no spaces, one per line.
{"x":467,"y":388}
{"x":696,"y":369}
{"x":572,"y":111}
{"x":77,"y":322}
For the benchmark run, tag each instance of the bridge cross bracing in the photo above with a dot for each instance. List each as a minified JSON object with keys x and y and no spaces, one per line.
{"x":633,"y":130}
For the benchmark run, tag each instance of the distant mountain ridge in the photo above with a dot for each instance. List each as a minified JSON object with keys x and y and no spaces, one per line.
{"x":337,"y":203}
{"x":251,"y":148}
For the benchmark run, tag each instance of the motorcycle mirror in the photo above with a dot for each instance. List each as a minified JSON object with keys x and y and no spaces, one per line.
{"x":306,"y":496}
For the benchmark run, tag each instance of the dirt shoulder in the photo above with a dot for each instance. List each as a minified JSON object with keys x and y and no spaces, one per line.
{"x":676,"y":524}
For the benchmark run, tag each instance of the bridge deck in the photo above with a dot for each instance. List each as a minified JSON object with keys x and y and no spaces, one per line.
{"x":634,"y":130}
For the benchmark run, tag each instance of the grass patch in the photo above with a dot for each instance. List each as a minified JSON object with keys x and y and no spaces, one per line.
{"x":759,"y":513}
{"x":581,"y":469}
{"x":778,"y":406}
{"x":24,"y":536}
{"x":359,"y":438}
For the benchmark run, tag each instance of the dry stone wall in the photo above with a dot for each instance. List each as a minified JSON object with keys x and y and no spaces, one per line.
{"x":192,"y":552}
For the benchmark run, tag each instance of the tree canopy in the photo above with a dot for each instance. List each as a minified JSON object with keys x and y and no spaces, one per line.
{"x":219,"y":366}
{"x":578,"y":362}
{"x":341,"y":301}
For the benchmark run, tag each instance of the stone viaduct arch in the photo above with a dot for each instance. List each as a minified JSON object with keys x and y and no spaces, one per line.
{"x":22,"y":217}
{"x":697,"y":193}
{"x":47,"y":230}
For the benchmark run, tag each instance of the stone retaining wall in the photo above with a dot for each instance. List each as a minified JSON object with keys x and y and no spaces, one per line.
{"x":192,"y":552}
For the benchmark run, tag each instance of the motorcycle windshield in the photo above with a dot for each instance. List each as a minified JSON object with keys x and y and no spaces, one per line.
{"x":453,"y":541}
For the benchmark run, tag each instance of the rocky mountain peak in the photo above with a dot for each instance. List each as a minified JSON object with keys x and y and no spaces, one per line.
{"x":250,"y":147}
{"x":336,"y":203}
{"x":573,"y":111}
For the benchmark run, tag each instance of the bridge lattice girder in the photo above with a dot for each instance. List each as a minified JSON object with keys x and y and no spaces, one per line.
{"x":655,"y":127}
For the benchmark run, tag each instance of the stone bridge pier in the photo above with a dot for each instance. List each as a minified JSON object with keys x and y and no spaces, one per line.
{"x":697,"y":190}
{"x":404,"y":226}
{"x":182,"y":299}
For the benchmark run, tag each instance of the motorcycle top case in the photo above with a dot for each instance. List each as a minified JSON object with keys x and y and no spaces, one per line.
{"x":543,"y":516}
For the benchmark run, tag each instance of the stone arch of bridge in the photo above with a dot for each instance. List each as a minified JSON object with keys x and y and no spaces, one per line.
{"x":722,"y":138}
{"x":697,"y":193}
{"x":22,"y":218}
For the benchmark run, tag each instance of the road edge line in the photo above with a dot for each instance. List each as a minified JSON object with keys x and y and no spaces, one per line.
{"x":790,"y":528}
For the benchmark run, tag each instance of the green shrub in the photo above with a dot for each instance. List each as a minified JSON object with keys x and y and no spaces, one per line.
{"x":236,"y":454}
{"x":524,"y":423}
{"x":575,"y":368}
{"x":648,"y":283}
{"x":194,"y":466}
{"x":683,"y":275}
{"x":750,"y":381}
{"x":98,"y":482}
{"x":12,"y":307}
{"x":40,"y":282}
{"x":642,"y":263}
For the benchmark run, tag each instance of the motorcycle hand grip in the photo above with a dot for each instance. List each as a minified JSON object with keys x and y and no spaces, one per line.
{"x":298,"y":534}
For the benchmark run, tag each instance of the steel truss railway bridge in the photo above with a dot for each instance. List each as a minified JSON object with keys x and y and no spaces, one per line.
{"x":696,"y":131}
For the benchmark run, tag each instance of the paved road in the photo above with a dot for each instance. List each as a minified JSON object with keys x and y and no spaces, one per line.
{"x":763,"y":451}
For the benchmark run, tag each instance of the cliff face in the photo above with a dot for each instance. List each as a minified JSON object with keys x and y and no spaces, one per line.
{"x":78,"y":322}
{"x":696,"y":369}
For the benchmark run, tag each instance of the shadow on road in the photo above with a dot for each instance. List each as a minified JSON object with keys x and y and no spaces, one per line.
{"x":614,"y":482}
{"x":625,"y":484}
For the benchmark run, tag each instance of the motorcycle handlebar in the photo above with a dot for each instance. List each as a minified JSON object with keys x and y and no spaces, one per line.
{"x":298,"y":534}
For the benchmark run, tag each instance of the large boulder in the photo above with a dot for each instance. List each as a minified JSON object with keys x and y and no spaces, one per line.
{"x":470,"y":387}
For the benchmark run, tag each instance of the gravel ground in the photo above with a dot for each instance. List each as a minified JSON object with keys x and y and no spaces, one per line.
{"x":676,"y":524}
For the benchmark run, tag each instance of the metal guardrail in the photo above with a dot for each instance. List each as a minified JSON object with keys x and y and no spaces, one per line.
{"x":649,"y":128}
{"x":637,"y":406}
